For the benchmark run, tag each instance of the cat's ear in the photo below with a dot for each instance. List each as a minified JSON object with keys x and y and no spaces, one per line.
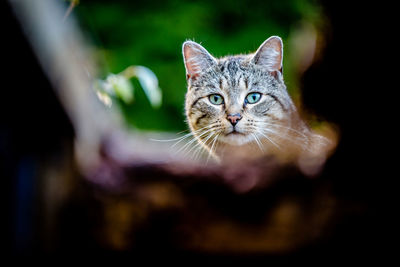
{"x":269,"y":55}
{"x":196,"y":59}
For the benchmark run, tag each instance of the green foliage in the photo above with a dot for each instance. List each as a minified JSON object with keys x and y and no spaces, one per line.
{"x":150,"y":33}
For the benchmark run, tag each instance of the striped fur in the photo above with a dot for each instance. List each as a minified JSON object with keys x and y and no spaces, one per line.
{"x":269,"y":126}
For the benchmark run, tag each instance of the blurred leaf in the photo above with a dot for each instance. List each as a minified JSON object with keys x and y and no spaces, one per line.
{"x":122,"y":87}
{"x":119,"y":85}
{"x":149,"y":82}
{"x":105,"y":98}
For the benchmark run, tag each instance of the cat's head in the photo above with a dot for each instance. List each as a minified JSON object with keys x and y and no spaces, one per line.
{"x":236,"y":99}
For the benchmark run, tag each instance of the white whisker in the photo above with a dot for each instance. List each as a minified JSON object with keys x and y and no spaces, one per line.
{"x":212,"y":147}
{"x":281,"y":135}
{"x":281,"y":126}
{"x":259,"y":143}
{"x":199,"y":143}
{"x":184,"y":136}
{"x":269,"y":139}
{"x":196,"y":132}
{"x":278,"y":134}
{"x":199,"y":149}
{"x":184,"y":147}
{"x":203,"y":145}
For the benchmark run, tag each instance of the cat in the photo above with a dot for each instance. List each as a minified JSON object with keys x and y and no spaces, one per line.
{"x":238,"y":107}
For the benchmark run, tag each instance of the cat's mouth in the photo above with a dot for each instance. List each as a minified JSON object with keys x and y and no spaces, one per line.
{"x":235,"y":137}
{"x":235,"y":132}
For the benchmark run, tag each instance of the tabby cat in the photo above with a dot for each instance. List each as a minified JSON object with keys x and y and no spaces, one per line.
{"x":238,"y":106}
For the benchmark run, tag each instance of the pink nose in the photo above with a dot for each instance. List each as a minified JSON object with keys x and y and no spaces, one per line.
{"x":234,"y":118}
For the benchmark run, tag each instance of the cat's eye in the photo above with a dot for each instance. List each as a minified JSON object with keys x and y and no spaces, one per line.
{"x":216,"y":99}
{"x":253,"y":98}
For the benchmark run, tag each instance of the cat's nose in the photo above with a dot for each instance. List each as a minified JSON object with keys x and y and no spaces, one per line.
{"x":234,"y":118}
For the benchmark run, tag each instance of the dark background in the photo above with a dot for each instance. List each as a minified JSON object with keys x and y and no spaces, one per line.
{"x":349,"y":86}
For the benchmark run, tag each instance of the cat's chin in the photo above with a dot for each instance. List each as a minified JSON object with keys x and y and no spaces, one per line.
{"x":236,"y":139}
